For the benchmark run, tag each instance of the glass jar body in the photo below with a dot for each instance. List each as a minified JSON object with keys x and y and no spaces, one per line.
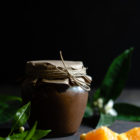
{"x":55,"y":106}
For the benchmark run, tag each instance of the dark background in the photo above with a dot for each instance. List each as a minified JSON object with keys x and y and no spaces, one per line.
{"x":94,"y":32}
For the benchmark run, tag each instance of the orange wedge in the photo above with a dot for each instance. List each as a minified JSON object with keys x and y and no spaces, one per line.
{"x":104,"y":133}
{"x":133,"y":134}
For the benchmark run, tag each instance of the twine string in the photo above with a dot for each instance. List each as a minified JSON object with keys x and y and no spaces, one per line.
{"x":76,"y":76}
{"x":82,"y":84}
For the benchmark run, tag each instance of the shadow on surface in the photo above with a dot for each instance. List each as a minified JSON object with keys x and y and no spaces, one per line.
{"x":90,"y":121}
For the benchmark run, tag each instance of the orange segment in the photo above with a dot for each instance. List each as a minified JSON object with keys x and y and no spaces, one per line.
{"x":122,"y":137}
{"x":133,"y":134}
{"x":104,"y":133}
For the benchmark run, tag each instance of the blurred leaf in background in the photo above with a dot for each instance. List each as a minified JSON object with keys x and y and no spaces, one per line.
{"x":111,"y":87}
{"x":116,"y":77}
{"x":8,"y":107}
{"x":127,"y":112}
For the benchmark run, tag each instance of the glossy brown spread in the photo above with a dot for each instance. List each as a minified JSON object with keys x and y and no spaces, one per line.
{"x":56,"y":107}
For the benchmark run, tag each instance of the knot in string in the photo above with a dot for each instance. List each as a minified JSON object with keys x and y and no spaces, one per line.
{"x":75,"y":78}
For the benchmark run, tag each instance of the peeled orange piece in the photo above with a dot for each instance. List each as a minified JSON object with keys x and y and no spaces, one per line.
{"x":133,"y":134}
{"x":104,"y":133}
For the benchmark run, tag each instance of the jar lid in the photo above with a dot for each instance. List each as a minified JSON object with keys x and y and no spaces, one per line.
{"x":50,"y":64}
{"x":55,"y":71}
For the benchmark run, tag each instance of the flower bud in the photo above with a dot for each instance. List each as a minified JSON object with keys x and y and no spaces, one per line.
{"x":21,"y":129}
{"x":100,"y":102}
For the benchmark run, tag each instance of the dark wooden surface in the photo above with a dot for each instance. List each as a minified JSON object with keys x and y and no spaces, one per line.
{"x":118,"y":126}
{"x":128,"y":95}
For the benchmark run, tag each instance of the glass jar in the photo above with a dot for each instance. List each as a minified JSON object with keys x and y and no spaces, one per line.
{"x":58,"y":101}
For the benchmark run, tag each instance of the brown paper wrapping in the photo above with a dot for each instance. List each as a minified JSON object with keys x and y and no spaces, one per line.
{"x":54,"y":71}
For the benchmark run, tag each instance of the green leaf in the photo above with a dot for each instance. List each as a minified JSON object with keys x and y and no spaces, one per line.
{"x":8,"y":107}
{"x":40,"y":134}
{"x":7,"y":98}
{"x":105,"y":120}
{"x":21,"y":136}
{"x":2,"y":138}
{"x":21,"y":116}
{"x":8,"y":138}
{"x":116,"y":76}
{"x":18,"y":136}
{"x":88,"y":111}
{"x":127,"y":112}
{"x":7,"y":111}
{"x":31,"y":132}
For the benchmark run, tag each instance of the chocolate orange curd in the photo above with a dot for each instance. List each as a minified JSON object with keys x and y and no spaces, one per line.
{"x":58,"y":91}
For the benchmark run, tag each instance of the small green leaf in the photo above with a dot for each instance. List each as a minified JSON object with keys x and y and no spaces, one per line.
{"x":2,"y":138}
{"x":116,"y":76}
{"x":21,"y":117}
{"x":40,"y":134}
{"x":105,"y":120}
{"x":127,"y":112}
{"x":88,"y":111}
{"x":8,"y":138}
{"x":21,"y":136}
{"x":8,"y":107}
{"x":18,"y":136}
{"x":31,"y":132}
{"x":7,"y":98}
{"x":7,"y":111}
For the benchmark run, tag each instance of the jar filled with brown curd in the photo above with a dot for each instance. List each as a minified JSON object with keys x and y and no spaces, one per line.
{"x":58,"y":91}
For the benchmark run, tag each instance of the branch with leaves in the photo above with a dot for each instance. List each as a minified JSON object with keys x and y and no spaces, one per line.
{"x":19,"y":118}
{"x":103,"y":100}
